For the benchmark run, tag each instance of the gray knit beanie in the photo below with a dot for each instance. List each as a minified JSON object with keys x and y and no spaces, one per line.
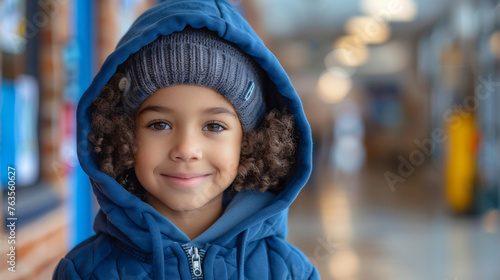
{"x":197,"y":57}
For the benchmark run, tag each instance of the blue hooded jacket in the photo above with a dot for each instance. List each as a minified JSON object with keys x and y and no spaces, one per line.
{"x":133,"y":240}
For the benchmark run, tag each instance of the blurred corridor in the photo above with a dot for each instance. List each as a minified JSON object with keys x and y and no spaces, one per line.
{"x":402,"y":97}
{"x":359,"y":229}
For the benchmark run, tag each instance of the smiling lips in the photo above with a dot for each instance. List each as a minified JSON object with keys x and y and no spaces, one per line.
{"x":185,"y":180}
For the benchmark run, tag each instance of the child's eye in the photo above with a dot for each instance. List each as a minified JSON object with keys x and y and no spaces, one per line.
{"x":214,"y":127}
{"x":159,"y":126}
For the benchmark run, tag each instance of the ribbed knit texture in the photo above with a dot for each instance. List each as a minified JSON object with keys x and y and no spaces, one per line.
{"x":197,"y":57}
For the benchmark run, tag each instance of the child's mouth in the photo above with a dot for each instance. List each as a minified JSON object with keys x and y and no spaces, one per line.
{"x":185,"y":180}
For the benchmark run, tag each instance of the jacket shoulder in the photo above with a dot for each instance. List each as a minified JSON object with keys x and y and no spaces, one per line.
{"x":81,"y":261}
{"x":99,"y":258}
{"x":284,"y":261}
{"x":300,"y":267}
{"x":90,"y":252}
{"x":65,"y":270}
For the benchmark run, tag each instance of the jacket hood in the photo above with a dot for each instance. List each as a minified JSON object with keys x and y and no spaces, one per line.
{"x":124,"y":215}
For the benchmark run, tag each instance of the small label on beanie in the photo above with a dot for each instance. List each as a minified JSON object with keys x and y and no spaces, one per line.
{"x":249,"y":91}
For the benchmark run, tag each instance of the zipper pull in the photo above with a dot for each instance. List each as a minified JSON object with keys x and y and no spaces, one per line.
{"x":195,"y":258}
{"x":196,"y":261}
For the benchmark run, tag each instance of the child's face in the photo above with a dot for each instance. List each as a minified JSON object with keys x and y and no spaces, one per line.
{"x":189,"y":141}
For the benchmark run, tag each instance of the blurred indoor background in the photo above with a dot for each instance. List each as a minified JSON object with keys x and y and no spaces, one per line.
{"x":403,"y":100}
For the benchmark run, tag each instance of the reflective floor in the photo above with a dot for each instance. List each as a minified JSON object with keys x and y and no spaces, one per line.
{"x":356,"y":228}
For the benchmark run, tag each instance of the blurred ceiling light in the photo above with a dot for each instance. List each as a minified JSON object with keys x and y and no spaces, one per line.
{"x":336,"y":215}
{"x":344,"y":264}
{"x":390,"y":10}
{"x":342,"y":71}
{"x":495,"y":44}
{"x":350,"y":50}
{"x":369,"y":29}
{"x":332,"y":87}
{"x":332,"y":63}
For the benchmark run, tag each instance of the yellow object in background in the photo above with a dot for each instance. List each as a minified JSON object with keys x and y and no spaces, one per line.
{"x":460,"y":163}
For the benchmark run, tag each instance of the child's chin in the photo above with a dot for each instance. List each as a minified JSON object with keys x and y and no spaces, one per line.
{"x":195,"y":205}
{"x":189,"y":206}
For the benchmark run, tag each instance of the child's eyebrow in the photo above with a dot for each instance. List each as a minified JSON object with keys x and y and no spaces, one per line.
{"x":152,"y":108}
{"x":219,"y":110}
{"x":164,"y":110}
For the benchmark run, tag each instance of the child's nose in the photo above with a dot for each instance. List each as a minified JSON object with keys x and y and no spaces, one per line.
{"x":186,"y":147}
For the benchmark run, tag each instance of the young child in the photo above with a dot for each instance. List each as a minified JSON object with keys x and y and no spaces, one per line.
{"x":196,"y":144}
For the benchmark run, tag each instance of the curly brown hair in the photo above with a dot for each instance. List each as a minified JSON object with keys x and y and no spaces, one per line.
{"x":267,"y":152}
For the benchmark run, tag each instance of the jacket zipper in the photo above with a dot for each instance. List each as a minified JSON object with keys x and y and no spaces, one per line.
{"x":195,"y":258}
